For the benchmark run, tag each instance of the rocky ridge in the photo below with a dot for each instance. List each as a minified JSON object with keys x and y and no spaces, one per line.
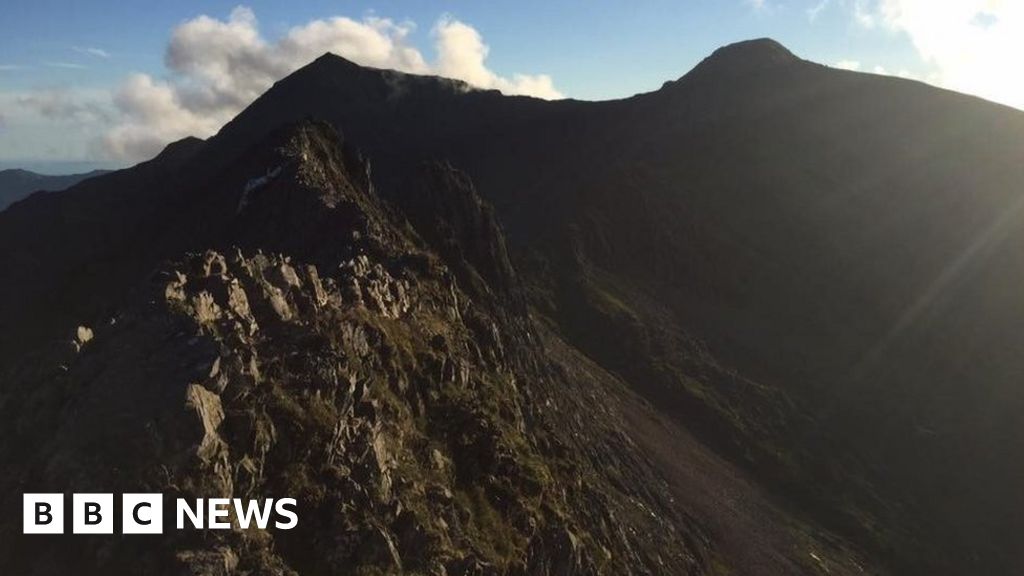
{"x":423,"y":430}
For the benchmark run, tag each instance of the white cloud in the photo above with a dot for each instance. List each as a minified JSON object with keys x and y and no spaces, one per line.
{"x":901,"y":73}
{"x":64,"y":105}
{"x":88,"y":51}
{"x":461,"y":53}
{"x":376,"y":42}
{"x":151,"y":115}
{"x":863,"y":13}
{"x":220,"y":66}
{"x":974,"y":45}
{"x":814,"y":11}
{"x":10,"y":67}
{"x":56,"y":123}
{"x":66,"y":65}
{"x":856,"y":65}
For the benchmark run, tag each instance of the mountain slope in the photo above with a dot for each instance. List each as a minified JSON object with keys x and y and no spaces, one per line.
{"x":390,"y":380}
{"x":813,"y":271}
{"x":851,"y":239}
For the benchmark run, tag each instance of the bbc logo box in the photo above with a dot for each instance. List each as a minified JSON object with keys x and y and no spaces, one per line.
{"x":43,"y":514}
{"x":142,"y":514}
{"x":93,"y":514}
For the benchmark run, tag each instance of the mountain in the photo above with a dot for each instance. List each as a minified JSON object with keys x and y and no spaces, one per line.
{"x":16,"y":184}
{"x":765,"y":317}
{"x":378,"y":362}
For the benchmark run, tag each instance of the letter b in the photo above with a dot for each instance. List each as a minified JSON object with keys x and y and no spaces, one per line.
{"x":93,"y":514}
{"x":43,"y":514}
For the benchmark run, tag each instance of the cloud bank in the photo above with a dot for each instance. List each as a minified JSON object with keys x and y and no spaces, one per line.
{"x":975,"y":46}
{"x":856,"y":66}
{"x":217,"y":67}
{"x":63,"y":104}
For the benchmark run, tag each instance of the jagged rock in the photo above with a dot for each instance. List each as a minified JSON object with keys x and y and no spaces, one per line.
{"x":446,"y":210}
{"x":284,"y":277}
{"x":220,"y":562}
{"x":319,"y":294}
{"x":238,"y":303}
{"x":210,"y":414}
{"x":83,"y":335}
{"x":206,"y":310}
{"x":213,"y":264}
{"x":175,"y":288}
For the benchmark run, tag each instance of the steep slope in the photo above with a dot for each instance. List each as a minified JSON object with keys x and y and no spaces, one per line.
{"x":390,"y":380}
{"x":16,"y":184}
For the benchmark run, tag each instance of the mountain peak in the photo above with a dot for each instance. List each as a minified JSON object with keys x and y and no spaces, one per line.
{"x":329,"y":65}
{"x":332,"y":59}
{"x":758,"y":50}
{"x":180,"y":151}
{"x":747,"y":56}
{"x":329,"y":68}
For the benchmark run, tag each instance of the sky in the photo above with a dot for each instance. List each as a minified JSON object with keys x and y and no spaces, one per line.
{"x":106,"y":83}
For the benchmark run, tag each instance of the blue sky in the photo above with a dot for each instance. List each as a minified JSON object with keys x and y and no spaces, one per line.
{"x":91,"y":81}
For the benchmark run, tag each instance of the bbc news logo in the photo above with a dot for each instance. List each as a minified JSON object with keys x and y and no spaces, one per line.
{"x":144,"y":513}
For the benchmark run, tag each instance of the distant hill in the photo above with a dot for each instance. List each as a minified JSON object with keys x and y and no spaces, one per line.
{"x":16,"y":184}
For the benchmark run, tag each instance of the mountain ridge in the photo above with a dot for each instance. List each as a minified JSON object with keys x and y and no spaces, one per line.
{"x":808,"y":270}
{"x":17,"y":183}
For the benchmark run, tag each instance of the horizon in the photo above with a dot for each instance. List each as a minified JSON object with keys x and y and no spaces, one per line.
{"x":85,"y":93}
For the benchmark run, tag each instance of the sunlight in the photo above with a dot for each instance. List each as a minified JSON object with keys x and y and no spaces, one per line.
{"x":974,"y":45}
